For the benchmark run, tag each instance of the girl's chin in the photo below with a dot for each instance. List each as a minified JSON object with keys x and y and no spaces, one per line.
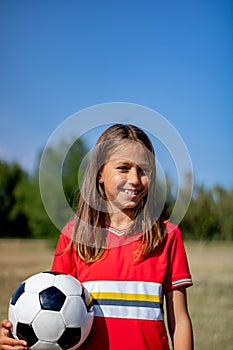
{"x":117,"y":207}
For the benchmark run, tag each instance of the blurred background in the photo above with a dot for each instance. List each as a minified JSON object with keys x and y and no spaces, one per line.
{"x":175,"y":57}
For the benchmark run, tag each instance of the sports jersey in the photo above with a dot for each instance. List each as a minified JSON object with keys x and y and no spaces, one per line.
{"x":127,"y":294}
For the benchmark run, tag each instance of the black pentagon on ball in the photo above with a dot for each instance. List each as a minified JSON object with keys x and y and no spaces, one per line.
{"x":26,"y":332}
{"x":51,"y":299}
{"x":19,"y":291}
{"x":69,"y":338}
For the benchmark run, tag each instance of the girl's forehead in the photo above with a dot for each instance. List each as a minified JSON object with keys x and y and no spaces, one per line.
{"x":131,"y":151}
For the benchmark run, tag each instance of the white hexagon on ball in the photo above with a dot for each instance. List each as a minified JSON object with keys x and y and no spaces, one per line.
{"x":74,"y":312}
{"x":42,"y":325}
{"x":68,"y":285}
{"x":30,"y":304}
{"x":38,"y":282}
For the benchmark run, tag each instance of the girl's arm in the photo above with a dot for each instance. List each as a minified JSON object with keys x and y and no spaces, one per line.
{"x":8,"y":343}
{"x":179,"y":323}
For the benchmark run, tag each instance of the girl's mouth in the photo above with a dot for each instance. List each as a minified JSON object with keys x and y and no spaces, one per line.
{"x":130,"y":192}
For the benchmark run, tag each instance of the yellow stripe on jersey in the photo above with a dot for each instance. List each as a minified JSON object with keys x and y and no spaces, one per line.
{"x":126,"y":296}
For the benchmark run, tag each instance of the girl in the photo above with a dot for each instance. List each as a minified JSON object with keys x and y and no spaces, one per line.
{"x":125,"y":256}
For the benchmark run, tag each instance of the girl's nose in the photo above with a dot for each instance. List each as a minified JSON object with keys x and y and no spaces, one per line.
{"x":134,"y":177}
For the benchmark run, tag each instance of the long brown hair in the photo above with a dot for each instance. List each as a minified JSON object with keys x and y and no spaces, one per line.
{"x":89,"y":232}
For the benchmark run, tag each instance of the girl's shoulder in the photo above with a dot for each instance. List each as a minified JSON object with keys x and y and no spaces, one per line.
{"x":170,"y":227}
{"x":68,"y":229}
{"x":173,"y":230}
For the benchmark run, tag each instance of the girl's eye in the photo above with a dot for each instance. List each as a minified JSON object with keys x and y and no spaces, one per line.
{"x":123,"y":168}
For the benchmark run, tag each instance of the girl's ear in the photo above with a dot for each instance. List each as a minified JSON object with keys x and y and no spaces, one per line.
{"x":100,"y":178}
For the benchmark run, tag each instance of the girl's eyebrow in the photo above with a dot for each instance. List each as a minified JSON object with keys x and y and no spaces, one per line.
{"x":130,"y":162}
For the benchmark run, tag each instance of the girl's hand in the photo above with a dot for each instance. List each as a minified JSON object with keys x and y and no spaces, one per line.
{"x":8,"y":343}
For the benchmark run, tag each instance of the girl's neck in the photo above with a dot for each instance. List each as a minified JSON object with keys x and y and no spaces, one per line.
{"x":120,"y":221}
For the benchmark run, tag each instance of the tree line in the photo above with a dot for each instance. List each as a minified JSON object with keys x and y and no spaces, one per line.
{"x":22,"y":214}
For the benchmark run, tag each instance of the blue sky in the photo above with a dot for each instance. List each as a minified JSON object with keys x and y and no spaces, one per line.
{"x":59,"y":57}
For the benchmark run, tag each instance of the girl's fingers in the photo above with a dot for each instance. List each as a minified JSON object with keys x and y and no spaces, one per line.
{"x":7,"y":343}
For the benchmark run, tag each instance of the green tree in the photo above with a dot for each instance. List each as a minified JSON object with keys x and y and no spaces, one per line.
{"x":210,"y":214}
{"x":39,"y":222}
{"x":224,"y":211}
{"x":14,"y":221}
{"x":22,"y":213}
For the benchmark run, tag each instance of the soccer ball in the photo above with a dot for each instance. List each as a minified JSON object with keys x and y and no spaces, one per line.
{"x":51,"y":311}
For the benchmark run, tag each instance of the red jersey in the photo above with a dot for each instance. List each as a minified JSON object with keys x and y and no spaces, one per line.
{"x":127,"y":293}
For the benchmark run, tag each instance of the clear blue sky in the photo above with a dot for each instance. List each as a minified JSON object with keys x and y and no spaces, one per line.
{"x":176,"y":57}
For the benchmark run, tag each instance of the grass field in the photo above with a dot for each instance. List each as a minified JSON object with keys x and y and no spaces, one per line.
{"x":210,"y":299}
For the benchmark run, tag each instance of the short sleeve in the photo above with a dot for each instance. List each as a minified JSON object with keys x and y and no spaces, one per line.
{"x":178,"y":273}
{"x":64,"y":257}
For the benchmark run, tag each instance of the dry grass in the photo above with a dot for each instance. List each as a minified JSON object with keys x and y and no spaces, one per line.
{"x":20,"y":259}
{"x":210,"y":300}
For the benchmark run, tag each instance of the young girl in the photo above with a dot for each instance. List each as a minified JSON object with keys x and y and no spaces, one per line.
{"x":125,"y":256}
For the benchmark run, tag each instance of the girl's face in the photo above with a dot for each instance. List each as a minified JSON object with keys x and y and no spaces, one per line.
{"x":125,"y":176}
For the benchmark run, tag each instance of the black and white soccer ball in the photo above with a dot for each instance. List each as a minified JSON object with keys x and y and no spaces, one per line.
{"x":51,"y":311}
